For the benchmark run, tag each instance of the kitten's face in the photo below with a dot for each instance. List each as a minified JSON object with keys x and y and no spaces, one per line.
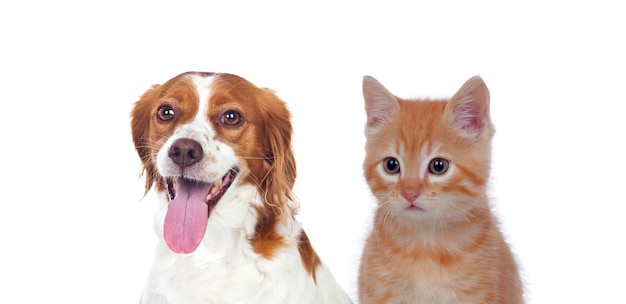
{"x":427,"y":159}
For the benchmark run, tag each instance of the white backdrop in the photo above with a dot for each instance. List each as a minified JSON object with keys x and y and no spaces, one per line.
{"x":75,"y":229}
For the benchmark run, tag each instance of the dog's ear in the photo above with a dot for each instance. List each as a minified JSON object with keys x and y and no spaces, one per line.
{"x":280,"y":162}
{"x":141,"y":116}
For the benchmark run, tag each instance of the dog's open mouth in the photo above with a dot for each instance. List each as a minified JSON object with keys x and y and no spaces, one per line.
{"x":188,"y":210}
{"x":216,"y":191}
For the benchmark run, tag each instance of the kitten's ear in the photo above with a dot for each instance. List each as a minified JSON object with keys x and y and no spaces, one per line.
{"x":380,"y":104}
{"x":469,"y":107}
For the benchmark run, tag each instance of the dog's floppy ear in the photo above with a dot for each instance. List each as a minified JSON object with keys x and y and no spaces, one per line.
{"x":140,"y":127}
{"x":280,"y":162}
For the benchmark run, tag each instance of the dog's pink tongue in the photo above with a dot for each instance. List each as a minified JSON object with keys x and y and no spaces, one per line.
{"x":187,"y":216}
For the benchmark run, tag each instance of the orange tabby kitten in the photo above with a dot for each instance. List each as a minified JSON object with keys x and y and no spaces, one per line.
{"x":434,"y":238}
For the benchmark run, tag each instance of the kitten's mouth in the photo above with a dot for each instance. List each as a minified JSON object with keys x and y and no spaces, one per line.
{"x":188,"y":211}
{"x":413,"y":207}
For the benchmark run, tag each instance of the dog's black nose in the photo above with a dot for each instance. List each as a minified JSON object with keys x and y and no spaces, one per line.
{"x":185,"y":152}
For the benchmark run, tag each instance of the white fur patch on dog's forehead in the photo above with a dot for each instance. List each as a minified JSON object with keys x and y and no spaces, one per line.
{"x":202,"y":80}
{"x":203,"y":86}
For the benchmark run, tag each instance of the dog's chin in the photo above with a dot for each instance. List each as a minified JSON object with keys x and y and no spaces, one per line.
{"x":215,"y":190}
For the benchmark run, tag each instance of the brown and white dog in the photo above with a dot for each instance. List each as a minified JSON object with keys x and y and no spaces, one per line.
{"x":217,"y":150}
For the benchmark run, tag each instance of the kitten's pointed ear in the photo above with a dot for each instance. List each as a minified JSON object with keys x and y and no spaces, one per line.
{"x":380,"y":104}
{"x":469,"y":107}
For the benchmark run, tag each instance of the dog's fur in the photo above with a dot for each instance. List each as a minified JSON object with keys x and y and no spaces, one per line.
{"x":197,"y":134}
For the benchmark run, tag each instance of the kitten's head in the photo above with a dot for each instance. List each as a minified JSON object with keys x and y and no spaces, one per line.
{"x":428,"y":159}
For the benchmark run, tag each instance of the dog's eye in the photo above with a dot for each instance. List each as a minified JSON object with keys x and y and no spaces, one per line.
{"x":231,"y":118}
{"x":166,"y":113}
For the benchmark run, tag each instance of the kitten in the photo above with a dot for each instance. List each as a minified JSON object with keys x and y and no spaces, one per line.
{"x":434,"y":237}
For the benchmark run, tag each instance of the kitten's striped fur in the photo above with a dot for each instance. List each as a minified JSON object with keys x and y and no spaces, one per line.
{"x":434,"y":237}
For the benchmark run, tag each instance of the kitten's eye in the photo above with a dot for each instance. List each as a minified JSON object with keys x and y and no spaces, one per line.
{"x":231,"y":118}
{"x":166,"y":113}
{"x":438,"y":166}
{"x":391,"y":165}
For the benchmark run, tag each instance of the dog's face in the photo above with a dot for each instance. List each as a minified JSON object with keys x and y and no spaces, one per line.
{"x":200,"y":135}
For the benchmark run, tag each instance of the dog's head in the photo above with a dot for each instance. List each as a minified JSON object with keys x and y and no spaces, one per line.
{"x":200,"y":134}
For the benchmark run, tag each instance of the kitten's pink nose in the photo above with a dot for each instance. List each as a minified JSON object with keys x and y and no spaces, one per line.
{"x":411,"y":196}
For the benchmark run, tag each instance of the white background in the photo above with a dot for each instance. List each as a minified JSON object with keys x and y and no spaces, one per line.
{"x":75,"y":229}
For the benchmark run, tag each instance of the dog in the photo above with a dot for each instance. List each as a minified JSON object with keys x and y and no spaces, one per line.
{"x":217,"y":151}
